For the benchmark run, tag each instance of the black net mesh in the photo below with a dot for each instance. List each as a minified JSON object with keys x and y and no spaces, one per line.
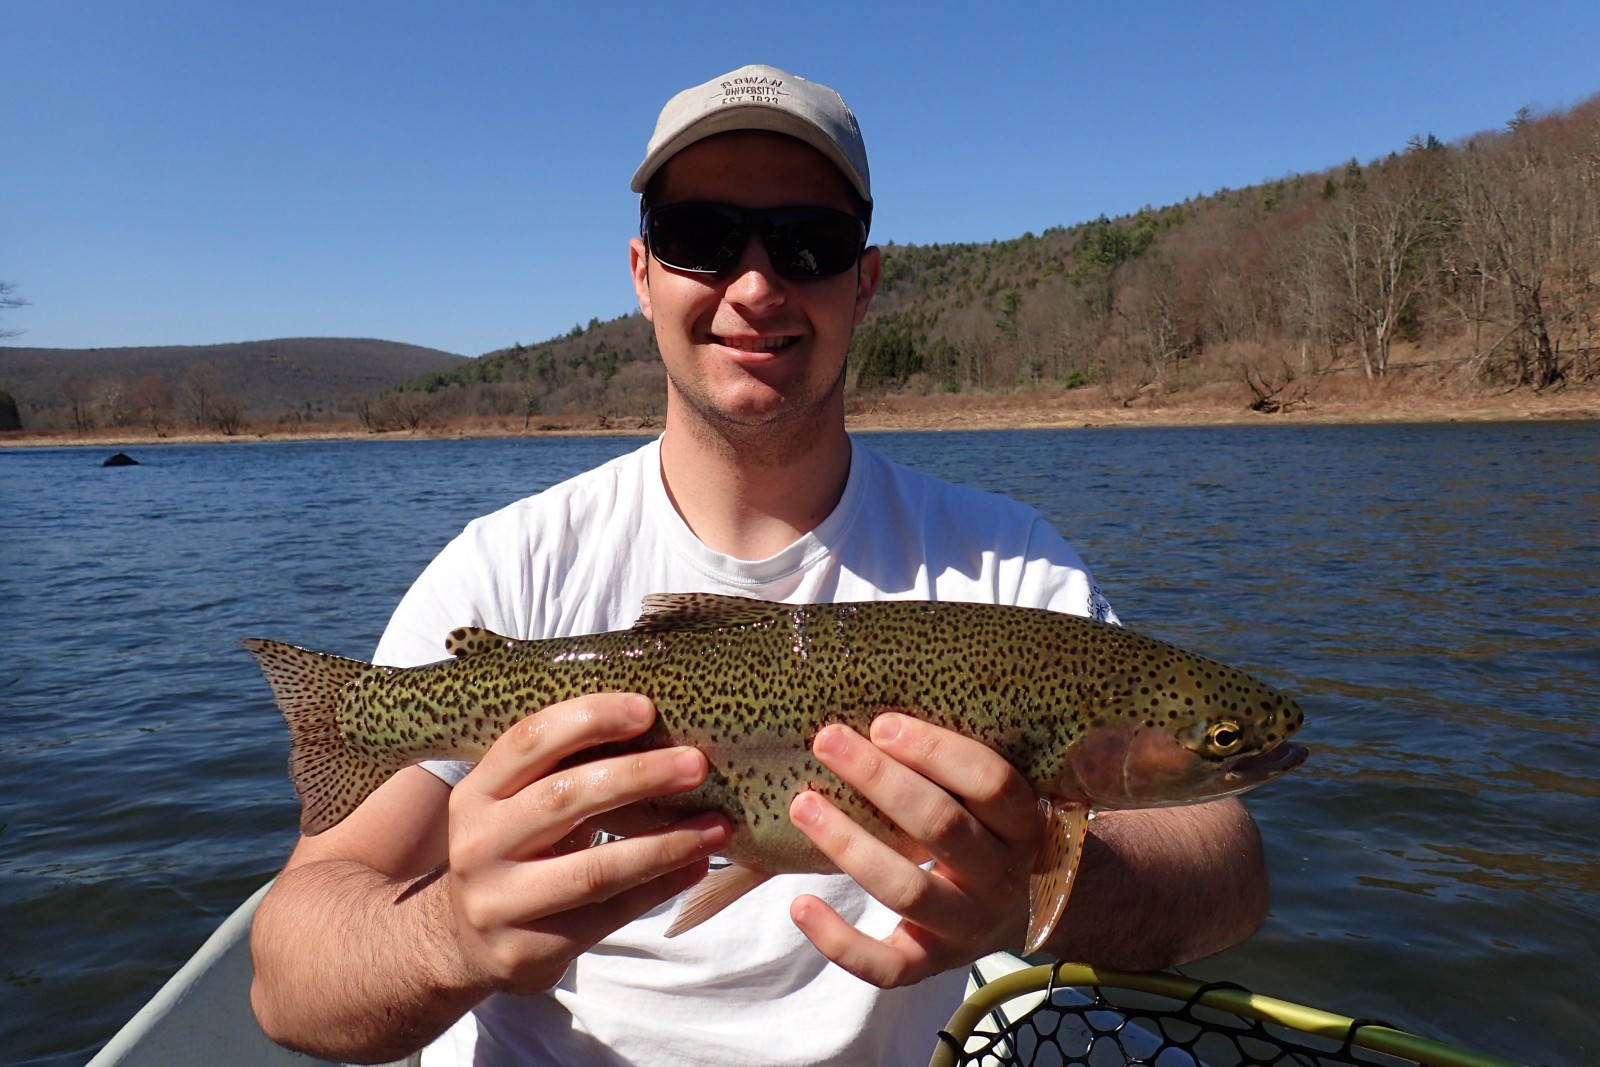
{"x":1095,"y":1027}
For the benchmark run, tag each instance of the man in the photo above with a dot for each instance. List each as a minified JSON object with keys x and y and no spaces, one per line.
{"x":450,"y":890}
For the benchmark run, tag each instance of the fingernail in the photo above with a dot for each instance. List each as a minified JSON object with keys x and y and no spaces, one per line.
{"x":689,"y":763}
{"x":886,"y":727}
{"x":639,"y":709}
{"x":714,"y":832}
{"x":805,"y":811}
{"x":830,"y":741}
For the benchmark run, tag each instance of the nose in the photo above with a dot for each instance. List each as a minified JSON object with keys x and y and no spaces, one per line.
{"x":753,"y":283}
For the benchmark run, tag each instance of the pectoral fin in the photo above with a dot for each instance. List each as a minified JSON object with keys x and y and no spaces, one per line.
{"x":713,"y":893}
{"x":1054,"y":869}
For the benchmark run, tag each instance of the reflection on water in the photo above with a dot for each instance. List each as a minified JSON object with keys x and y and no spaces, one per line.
{"x":1549,"y":871}
{"x":1431,"y":593}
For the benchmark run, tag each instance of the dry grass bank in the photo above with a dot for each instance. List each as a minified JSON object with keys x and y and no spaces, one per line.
{"x":1420,"y":399}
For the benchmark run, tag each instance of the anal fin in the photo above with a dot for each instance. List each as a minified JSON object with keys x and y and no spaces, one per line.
{"x":1054,"y":870}
{"x":713,"y":893}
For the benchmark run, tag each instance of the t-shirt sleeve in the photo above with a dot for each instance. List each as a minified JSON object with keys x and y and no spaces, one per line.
{"x":1051,"y":575}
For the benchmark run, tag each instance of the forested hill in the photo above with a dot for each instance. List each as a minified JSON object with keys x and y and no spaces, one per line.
{"x":1478,"y":260}
{"x":295,"y":378}
{"x":1480,"y":256}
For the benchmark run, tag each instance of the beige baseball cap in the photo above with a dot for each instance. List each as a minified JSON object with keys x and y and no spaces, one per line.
{"x":759,"y":97}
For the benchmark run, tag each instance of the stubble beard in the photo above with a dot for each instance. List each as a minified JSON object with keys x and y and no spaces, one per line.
{"x":765,"y":437}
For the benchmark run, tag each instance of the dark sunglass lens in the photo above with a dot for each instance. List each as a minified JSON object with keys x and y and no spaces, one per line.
{"x":695,"y":237}
{"x":813,"y":243}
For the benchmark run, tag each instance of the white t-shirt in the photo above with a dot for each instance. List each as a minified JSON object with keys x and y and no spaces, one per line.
{"x":745,"y":987}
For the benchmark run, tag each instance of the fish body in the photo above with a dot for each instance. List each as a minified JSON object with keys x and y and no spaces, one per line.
{"x":1092,"y":715}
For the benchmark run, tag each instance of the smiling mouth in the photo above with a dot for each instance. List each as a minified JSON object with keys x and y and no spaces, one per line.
{"x":760,"y":345}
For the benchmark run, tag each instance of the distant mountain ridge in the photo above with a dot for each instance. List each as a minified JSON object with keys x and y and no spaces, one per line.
{"x":1477,"y":262}
{"x":265,"y":379}
{"x":1481,"y":257}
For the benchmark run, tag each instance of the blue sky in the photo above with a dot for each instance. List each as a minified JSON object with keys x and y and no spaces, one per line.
{"x":455,"y":174}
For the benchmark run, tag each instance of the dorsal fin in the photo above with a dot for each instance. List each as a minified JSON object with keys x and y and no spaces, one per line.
{"x":473,"y":641}
{"x":709,"y":611}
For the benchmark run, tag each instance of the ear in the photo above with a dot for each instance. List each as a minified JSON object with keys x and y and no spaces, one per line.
{"x":868,"y":271}
{"x":639,"y":266}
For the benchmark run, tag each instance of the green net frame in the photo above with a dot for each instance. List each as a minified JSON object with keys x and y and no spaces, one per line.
{"x":1072,"y":1015}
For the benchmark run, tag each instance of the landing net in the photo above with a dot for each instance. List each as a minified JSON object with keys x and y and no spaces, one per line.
{"x":1069,"y":1015}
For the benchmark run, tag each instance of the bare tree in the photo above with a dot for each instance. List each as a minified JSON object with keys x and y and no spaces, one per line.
{"x":637,"y":389}
{"x":1158,"y":329}
{"x":77,"y":393}
{"x":408,"y":408}
{"x":9,"y":301}
{"x":226,"y":415}
{"x":200,"y":389}
{"x":1524,"y":256}
{"x":115,"y":402}
{"x":152,"y":402}
{"x":1375,"y":238}
{"x":1304,"y":289}
{"x":362,"y":406}
{"x":1273,"y":383}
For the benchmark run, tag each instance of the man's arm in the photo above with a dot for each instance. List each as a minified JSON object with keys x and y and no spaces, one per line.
{"x":1163,"y":886}
{"x":384,"y":930}
{"x":1156,"y":886}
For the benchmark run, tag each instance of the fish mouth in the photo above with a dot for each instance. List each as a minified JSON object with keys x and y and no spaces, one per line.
{"x":1253,"y":770}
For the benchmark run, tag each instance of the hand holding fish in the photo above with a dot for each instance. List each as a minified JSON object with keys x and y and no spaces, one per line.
{"x":1131,"y":907}
{"x":966,"y":808}
{"x":1088,"y":716}
{"x":522,"y":906}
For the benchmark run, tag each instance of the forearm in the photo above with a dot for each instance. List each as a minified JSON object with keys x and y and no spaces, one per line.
{"x":385,"y":977}
{"x":1163,"y":886}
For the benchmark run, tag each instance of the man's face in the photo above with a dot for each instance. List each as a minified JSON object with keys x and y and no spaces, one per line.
{"x":749,"y":348}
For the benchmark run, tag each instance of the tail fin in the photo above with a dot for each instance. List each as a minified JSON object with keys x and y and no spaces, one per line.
{"x":330,"y":775}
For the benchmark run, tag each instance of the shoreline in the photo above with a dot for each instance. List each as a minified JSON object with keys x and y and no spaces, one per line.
{"x":954,"y":412}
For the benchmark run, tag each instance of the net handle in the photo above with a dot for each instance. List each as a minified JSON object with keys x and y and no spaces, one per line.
{"x":1235,"y":999}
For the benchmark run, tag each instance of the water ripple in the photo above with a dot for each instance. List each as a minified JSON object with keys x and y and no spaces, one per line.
{"x":1432,"y":594}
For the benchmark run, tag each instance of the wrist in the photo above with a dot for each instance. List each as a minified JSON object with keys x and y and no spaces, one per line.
{"x":451,"y":972}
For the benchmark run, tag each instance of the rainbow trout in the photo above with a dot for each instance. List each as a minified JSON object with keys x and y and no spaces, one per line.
{"x":1094,"y":716}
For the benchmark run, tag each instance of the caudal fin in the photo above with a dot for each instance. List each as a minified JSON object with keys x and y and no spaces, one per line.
{"x":331,"y":777}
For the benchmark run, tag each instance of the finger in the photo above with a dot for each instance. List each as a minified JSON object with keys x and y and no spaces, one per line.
{"x":535,"y":746}
{"x":521,"y":922}
{"x":616,"y":869}
{"x":592,"y":922}
{"x":537,"y":819}
{"x":896,"y":882}
{"x":973,"y":895}
{"x":906,"y":956}
{"x":918,"y":806}
{"x":989,"y":787}
{"x":536,"y":951}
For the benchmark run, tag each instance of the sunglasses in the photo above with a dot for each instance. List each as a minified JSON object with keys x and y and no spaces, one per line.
{"x":801,"y":242}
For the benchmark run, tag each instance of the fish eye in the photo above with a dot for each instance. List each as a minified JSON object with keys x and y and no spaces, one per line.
{"x":1224,"y":738}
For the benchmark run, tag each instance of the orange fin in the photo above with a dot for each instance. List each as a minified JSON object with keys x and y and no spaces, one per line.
{"x":1054,"y":869}
{"x":713,"y":893}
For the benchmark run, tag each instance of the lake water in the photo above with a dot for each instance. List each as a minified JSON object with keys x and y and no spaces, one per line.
{"x":1431,"y":593}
